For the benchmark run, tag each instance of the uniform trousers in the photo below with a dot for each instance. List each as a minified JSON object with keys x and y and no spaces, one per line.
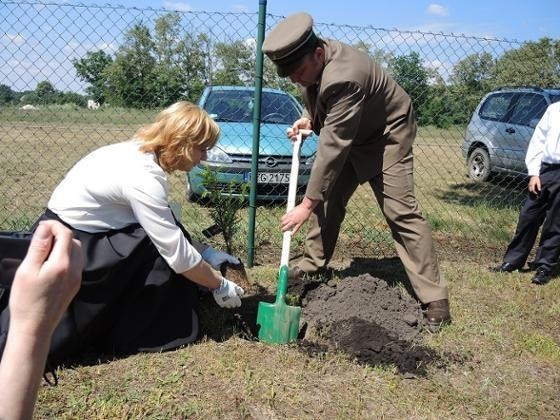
{"x":542,"y":209}
{"x":394,"y":192}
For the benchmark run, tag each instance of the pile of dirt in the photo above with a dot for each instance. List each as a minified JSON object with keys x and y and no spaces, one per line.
{"x":366,"y":319}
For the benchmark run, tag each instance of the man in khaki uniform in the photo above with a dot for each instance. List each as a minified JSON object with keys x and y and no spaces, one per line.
{"x":366,"y":127}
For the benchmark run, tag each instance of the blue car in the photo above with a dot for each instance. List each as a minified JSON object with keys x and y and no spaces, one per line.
{"x":230,"y":160}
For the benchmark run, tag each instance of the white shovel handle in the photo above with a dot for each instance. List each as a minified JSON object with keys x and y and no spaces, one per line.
{"x":292,"y":189}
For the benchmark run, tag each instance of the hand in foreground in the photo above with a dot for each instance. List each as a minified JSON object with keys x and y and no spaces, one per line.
{"x":44,"y":284}
{"x":228,"y":295}
{"x":46,"y":281}
{"x":216,"y":258}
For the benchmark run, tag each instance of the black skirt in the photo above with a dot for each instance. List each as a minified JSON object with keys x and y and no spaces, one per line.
{"x":129,"y":301}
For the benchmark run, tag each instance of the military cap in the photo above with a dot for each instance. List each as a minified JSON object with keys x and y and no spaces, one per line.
{"x":289,"y":41}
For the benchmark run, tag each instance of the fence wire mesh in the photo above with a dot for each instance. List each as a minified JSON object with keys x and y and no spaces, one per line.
{"x":77,"y":77}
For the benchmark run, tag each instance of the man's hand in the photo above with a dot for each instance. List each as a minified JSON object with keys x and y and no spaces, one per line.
{"x":216,"y":258}
{"x":535,"y":185}
{"x":301,"y":124}
{"x":295,"y":218}
{"x":228,"y":295}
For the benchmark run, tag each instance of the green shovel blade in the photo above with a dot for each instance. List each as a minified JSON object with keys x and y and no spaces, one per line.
{"x":278,"y":323}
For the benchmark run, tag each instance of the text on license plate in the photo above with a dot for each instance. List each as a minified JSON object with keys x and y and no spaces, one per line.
{"x":271,"y":178}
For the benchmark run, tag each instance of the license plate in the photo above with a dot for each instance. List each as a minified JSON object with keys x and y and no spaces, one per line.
{"x":270,"y":178}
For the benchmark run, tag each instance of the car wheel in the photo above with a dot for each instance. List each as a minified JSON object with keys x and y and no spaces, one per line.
{"x":478,"y":165}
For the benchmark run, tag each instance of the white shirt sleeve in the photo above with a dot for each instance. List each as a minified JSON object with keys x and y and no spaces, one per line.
{"x":536,"y":147}
{"x":147,"y":194}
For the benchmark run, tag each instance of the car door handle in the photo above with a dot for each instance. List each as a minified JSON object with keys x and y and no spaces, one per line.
{"x":510,"y":130}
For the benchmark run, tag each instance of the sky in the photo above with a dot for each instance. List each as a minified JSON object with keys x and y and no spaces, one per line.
{"x":513,"y":20}
{"x":39,"y":39}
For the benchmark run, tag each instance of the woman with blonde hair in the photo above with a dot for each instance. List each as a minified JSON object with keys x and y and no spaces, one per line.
{"x":142,"y":271}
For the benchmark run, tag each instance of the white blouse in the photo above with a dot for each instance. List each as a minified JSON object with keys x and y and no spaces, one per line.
{"x":545,"y":142}
{"x":116,"y":186}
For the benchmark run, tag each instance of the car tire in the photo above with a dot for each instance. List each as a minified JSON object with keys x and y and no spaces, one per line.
{"x":478,"y":165}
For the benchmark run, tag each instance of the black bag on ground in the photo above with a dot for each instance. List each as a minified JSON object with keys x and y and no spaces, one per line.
{"x":129,"y":301}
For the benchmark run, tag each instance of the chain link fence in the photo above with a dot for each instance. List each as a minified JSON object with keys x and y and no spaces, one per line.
{"x":76,"y":77}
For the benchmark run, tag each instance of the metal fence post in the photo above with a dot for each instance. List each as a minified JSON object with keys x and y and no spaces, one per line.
{"x":256,"y":134}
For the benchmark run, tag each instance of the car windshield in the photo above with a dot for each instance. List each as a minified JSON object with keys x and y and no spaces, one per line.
{"x":237,"y":106}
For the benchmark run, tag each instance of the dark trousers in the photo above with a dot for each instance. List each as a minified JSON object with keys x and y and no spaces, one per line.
{"x":544,"y":210}
{"x":129,"y":301}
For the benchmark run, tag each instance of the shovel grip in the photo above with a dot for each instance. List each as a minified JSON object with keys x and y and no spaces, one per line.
{"x":292,"y":189}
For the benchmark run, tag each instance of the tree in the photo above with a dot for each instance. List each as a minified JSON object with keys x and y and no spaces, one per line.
{"x":533,"y":64}
{"x":235,"y":64}
{"x":6,"y":95}
{"x":180,"y":70}
{"x":381,"y":57}
{"x":412,"y":76}
{"x":45,"y":91}
{"x":131,"y":75}
{"x":91,"y":69}
{"x":471,"y":78}
{"x":157,"y":70}
{"x":474,"y":73}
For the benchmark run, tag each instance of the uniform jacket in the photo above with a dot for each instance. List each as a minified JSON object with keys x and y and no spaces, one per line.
{"x":362,"y":116}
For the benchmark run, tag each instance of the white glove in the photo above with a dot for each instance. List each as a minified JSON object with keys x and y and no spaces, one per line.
{"x":216,"y":258}
{"x":228,"y":295}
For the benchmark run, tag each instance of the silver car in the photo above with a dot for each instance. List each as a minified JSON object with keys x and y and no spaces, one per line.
{"x":500,"y":129}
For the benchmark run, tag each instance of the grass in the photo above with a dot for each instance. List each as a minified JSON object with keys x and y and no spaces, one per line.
{"x":499,"y":359}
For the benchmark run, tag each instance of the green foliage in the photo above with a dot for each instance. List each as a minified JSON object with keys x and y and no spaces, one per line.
{"x":156,"y":69}
{"x":235,"y":63}
{"x":45,"y":92}
{"x":90,"y":69}
{"x":131,"y":73}
{"x":7,"y":95}
{"x":534,"y":64}
{"x":224,"y":204}
{"x":473,"y":74}
{"x":412,"y":76}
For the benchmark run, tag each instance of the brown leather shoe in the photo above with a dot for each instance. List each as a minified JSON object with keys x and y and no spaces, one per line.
{"x":437,"y":313}
{"x":296,"y":274}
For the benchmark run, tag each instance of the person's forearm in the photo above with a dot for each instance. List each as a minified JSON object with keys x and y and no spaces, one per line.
{"x":309,"y":203}
{"x":204,"y":275}
{"x":21,"y":369}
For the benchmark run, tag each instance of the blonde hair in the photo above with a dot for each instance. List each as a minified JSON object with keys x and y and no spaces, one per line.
{"x":176,"y":131}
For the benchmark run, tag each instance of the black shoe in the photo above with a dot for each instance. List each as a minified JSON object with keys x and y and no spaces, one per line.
{"x":506,"y":268}
{"x":437,"y":313}
{"x":296,"y":274}
{"x":542,"y":276}
{"x":532,"y":265}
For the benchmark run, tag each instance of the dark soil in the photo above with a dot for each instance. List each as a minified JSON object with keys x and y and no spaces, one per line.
{"x":355,"y":313}
{"x":237,"y":274}
{"x":367,"y":320}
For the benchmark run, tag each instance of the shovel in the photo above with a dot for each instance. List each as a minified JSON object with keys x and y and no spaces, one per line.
{"x":278,"y":322}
